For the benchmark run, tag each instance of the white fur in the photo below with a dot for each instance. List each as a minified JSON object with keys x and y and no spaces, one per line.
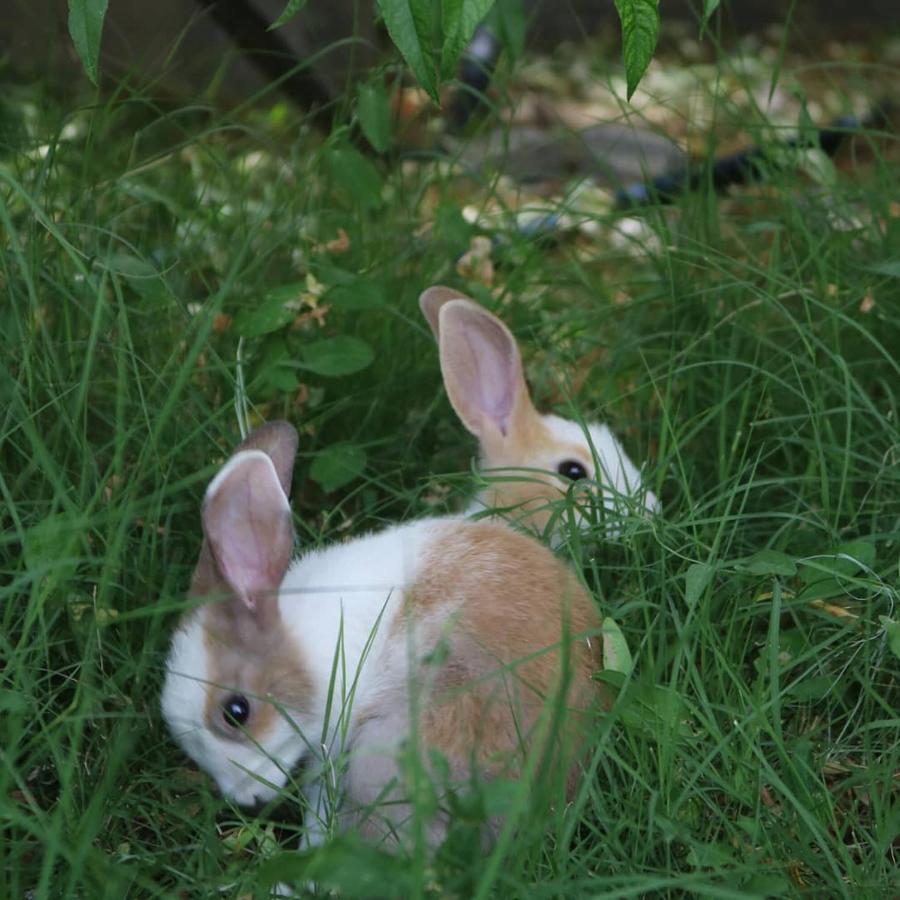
{"x":615,"y":473}
{"x":241,"y":771}
{"x":617,"y":480}
{"x":335,"y":602}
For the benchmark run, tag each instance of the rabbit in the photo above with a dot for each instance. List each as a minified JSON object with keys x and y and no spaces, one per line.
{"x":455,"y":632}
{"x":482,"y":371}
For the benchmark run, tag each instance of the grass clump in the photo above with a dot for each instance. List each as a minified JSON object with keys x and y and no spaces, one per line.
{"x":158,"y":262}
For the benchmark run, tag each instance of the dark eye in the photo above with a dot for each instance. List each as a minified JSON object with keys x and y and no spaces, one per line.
{"x":572,"y":469}
{"x":236,"y":710}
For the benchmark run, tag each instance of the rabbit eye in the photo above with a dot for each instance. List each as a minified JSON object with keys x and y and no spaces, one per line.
{"x":572,"y":470}
{"x":236,"y":710}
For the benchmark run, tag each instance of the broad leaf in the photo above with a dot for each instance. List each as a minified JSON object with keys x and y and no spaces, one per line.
{"x":509,"y":22}
{"x":767,"y":562}
{"x":890,"y":268}
{"x":616,"y":655}
{"x":282,"y":378}
{"x":337,"y":465}
{"x":410,"y":25}
{"x":459,"y":19}
{"x":452,"y":229}
{"x":374,"y":113}
{"x":14,"y":702}
{"x":710,"y":856}
{"x":892,"y":630}
{"x":292,"y":7}
{"x":640,"y":32}
{"x":346,"y":864}
{"x":50,"y":541}
{"x":697,"y":578}
{"x":276,"y":309}
{"x":363,"y":293}
{"x":341,"y":355}
{"x":815,"y":688}
{"x":826,"y":576}
{"x":86,"y":28}
{"x":357,"y":175}
{"x":654,"y":710}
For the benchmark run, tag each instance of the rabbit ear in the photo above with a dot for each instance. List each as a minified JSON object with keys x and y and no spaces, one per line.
{"x":431,"y":301}
{"x":278,"y":440}
{"x":483,"y":372}
{"x":248,"y":529}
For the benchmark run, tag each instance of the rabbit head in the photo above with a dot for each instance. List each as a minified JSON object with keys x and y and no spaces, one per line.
{"x":482,"y":371}
{"x":231,"y":665}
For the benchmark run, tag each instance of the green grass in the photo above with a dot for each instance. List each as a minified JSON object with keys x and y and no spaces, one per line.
{"x":755,"y":749}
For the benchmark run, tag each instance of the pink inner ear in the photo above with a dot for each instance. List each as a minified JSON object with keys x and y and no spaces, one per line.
{"x":493,"y":375}
{"x":247,"y":520}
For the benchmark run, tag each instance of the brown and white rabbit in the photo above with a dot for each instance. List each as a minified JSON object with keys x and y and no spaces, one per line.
{"x":457,"y":632}
{"x":482,"y":370}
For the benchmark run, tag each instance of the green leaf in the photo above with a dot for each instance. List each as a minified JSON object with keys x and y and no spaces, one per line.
{"x":509,"y":22}
{"x":812,"y":688}
{"x":710,"y":856}
{"x":451,"y":227}
{"x":374,"y":113}
{"x":346,"y":864}
{"x":696,"y":579}
{"x":341,"y":355}
{"x":362,"y":293}
{"x":767,"y":562}
{"x":640,"y":32}
{"x":653,"y":710}
{"x":890,"y":268}
{"x":276,"y":309}
{"x":500,"y":796}
{"x":292,"y":7}
{"x":826,"y":576}
{"x":850,"y":558}
{"x":337,"y":465}
{"x":50,"y":541}
{"x":410,"y":24}
{"x":357,"y":175}
{"x":459,"y":19}
{"x":86,"y":28}
{"x":13,"y":702}
{"x":129,"y":266}
{"x":616,"y":655}
{"x":892,"y":629}
{"x":709,"y":8}
{"x":282,"y":378}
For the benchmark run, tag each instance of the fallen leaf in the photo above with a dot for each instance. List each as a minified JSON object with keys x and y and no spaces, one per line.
{"x":317,"y":314}
{"x":768,"y":800}
{"x":222,"y":322}
{"x":340,"y":244}
{"x":837,"y":611}
{"x":476,"y":264}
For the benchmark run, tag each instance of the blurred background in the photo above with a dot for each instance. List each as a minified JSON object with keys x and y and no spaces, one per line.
{"x":185,"y":47}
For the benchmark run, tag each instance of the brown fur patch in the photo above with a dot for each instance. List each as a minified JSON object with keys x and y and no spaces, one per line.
{"x":519,"y":614}
{"x":264,"y":669}
{"x":248,"y":653}
{"x":525,"y":496}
